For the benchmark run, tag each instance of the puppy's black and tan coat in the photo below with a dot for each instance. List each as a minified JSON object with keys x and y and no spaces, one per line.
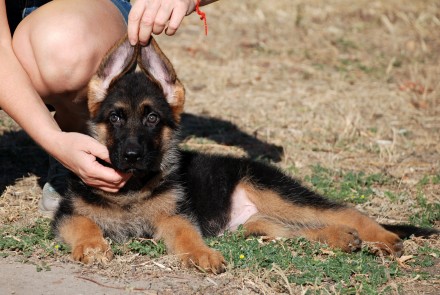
{"x":135,"y":103}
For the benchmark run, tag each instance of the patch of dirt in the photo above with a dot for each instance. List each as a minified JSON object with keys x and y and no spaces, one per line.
{"x":69,"y":278}
{"x":348,"y":85}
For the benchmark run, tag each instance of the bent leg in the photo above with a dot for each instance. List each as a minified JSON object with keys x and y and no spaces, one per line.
{"x":323,"y":224}
{"x":85,"y":238}
{"x":182,"y":238}
{"x":263,"y":225}
{"x":60,"y":45}
{"x":337,"y":236}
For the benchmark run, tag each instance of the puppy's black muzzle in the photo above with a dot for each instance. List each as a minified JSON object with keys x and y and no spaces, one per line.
{"x":130,"y":157}
{"x":132,"y":153}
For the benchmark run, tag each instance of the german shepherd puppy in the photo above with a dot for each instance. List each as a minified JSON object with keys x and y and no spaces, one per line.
{"x":135,"y":102}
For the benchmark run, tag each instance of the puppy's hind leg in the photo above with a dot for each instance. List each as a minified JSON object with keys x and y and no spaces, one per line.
{"x":369,"y":230}
{"x":336,"y":236}
{"x":263,"y":225}
{"x":323,"y":220}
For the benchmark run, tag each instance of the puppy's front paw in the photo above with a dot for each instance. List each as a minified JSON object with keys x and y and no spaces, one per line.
{"x":92,"y":251}
{"x":206,"y":259}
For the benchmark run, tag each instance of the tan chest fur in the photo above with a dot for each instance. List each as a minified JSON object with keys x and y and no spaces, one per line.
{"x":131,"y":215}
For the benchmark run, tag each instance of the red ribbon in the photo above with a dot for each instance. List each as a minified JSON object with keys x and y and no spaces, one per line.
{"x":202,"y":16}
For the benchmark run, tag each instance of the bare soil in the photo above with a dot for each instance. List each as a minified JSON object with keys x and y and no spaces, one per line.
{"x":348,"y":85}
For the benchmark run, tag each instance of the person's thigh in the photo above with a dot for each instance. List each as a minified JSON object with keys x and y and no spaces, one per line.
{"x":61,"y":44}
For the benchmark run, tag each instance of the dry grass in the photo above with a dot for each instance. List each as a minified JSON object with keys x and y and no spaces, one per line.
{"x":348,"y":85}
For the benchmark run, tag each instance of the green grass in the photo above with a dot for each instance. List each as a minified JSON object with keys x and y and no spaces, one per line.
{"x":306,"y":263}
{"x":149,"y":247}
{"x":348,"y":65}
{"x":429,"y":212}
{"x":354,"y":187}
{"x":429,"y":179}
{"x":357,"y":188}
{"x":345,"y":45}
{"x":27,"y":239}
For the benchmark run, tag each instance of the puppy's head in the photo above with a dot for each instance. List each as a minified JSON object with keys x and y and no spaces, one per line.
{"x":135,"y":102}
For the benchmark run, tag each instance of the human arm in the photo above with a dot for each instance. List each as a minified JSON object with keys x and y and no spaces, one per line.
{"x":20,"y":100}
{"x":155,"y":16}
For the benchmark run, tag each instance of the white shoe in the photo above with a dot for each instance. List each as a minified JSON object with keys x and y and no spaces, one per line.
{"x":53,"y":189}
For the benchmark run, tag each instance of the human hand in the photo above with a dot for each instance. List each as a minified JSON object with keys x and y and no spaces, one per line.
{"x":79,"y":153}
{"x":155,"y":16}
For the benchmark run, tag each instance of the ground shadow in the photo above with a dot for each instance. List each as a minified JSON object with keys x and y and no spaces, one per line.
{"x":20,"y":156}
{"x":226,"y":133}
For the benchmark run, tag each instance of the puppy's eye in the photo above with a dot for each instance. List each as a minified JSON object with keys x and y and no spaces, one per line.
{"x":152,"y":119}
{"x":114,"y":118}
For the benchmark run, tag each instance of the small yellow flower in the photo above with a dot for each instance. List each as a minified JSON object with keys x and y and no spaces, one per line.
{"x":362,"y":197}
{"x":57,"y":246}
{"x":241,"y":256}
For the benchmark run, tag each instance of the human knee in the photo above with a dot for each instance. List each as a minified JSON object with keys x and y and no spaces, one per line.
{"x":61,"y":44}
{"x":65,"y":50}
{"x":65,"y":58}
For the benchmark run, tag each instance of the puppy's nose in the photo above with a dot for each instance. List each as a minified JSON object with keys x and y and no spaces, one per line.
{"x":132,"y":154}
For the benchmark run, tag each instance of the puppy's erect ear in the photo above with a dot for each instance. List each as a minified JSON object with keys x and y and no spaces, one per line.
{"x":118,"y":61}
{"x":155,"y":64}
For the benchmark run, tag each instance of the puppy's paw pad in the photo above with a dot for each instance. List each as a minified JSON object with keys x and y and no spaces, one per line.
{"x":388,"y":243}
{"x":206,"y":260}
{"x":352,"y":241}
{"x":92,"y":251}
{"x":343,"y":237}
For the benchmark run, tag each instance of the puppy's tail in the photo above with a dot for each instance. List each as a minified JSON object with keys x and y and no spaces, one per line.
{"x":405,"y":231}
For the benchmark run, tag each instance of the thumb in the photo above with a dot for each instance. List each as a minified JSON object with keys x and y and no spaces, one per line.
{"x":99,"y":150}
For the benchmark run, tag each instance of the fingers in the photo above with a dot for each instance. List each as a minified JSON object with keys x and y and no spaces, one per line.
{"x":155,"y":16}
{"x":176,"y":19}
{"x":147,"y":22}
{"x":134,"y":18}
{"x":79,"y":152}
{"x":162,"y":17}
{"x":92,"y":172}
{"x":141,"y":20}
{"x":98,"y":150}
{"x":104,"y":178}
